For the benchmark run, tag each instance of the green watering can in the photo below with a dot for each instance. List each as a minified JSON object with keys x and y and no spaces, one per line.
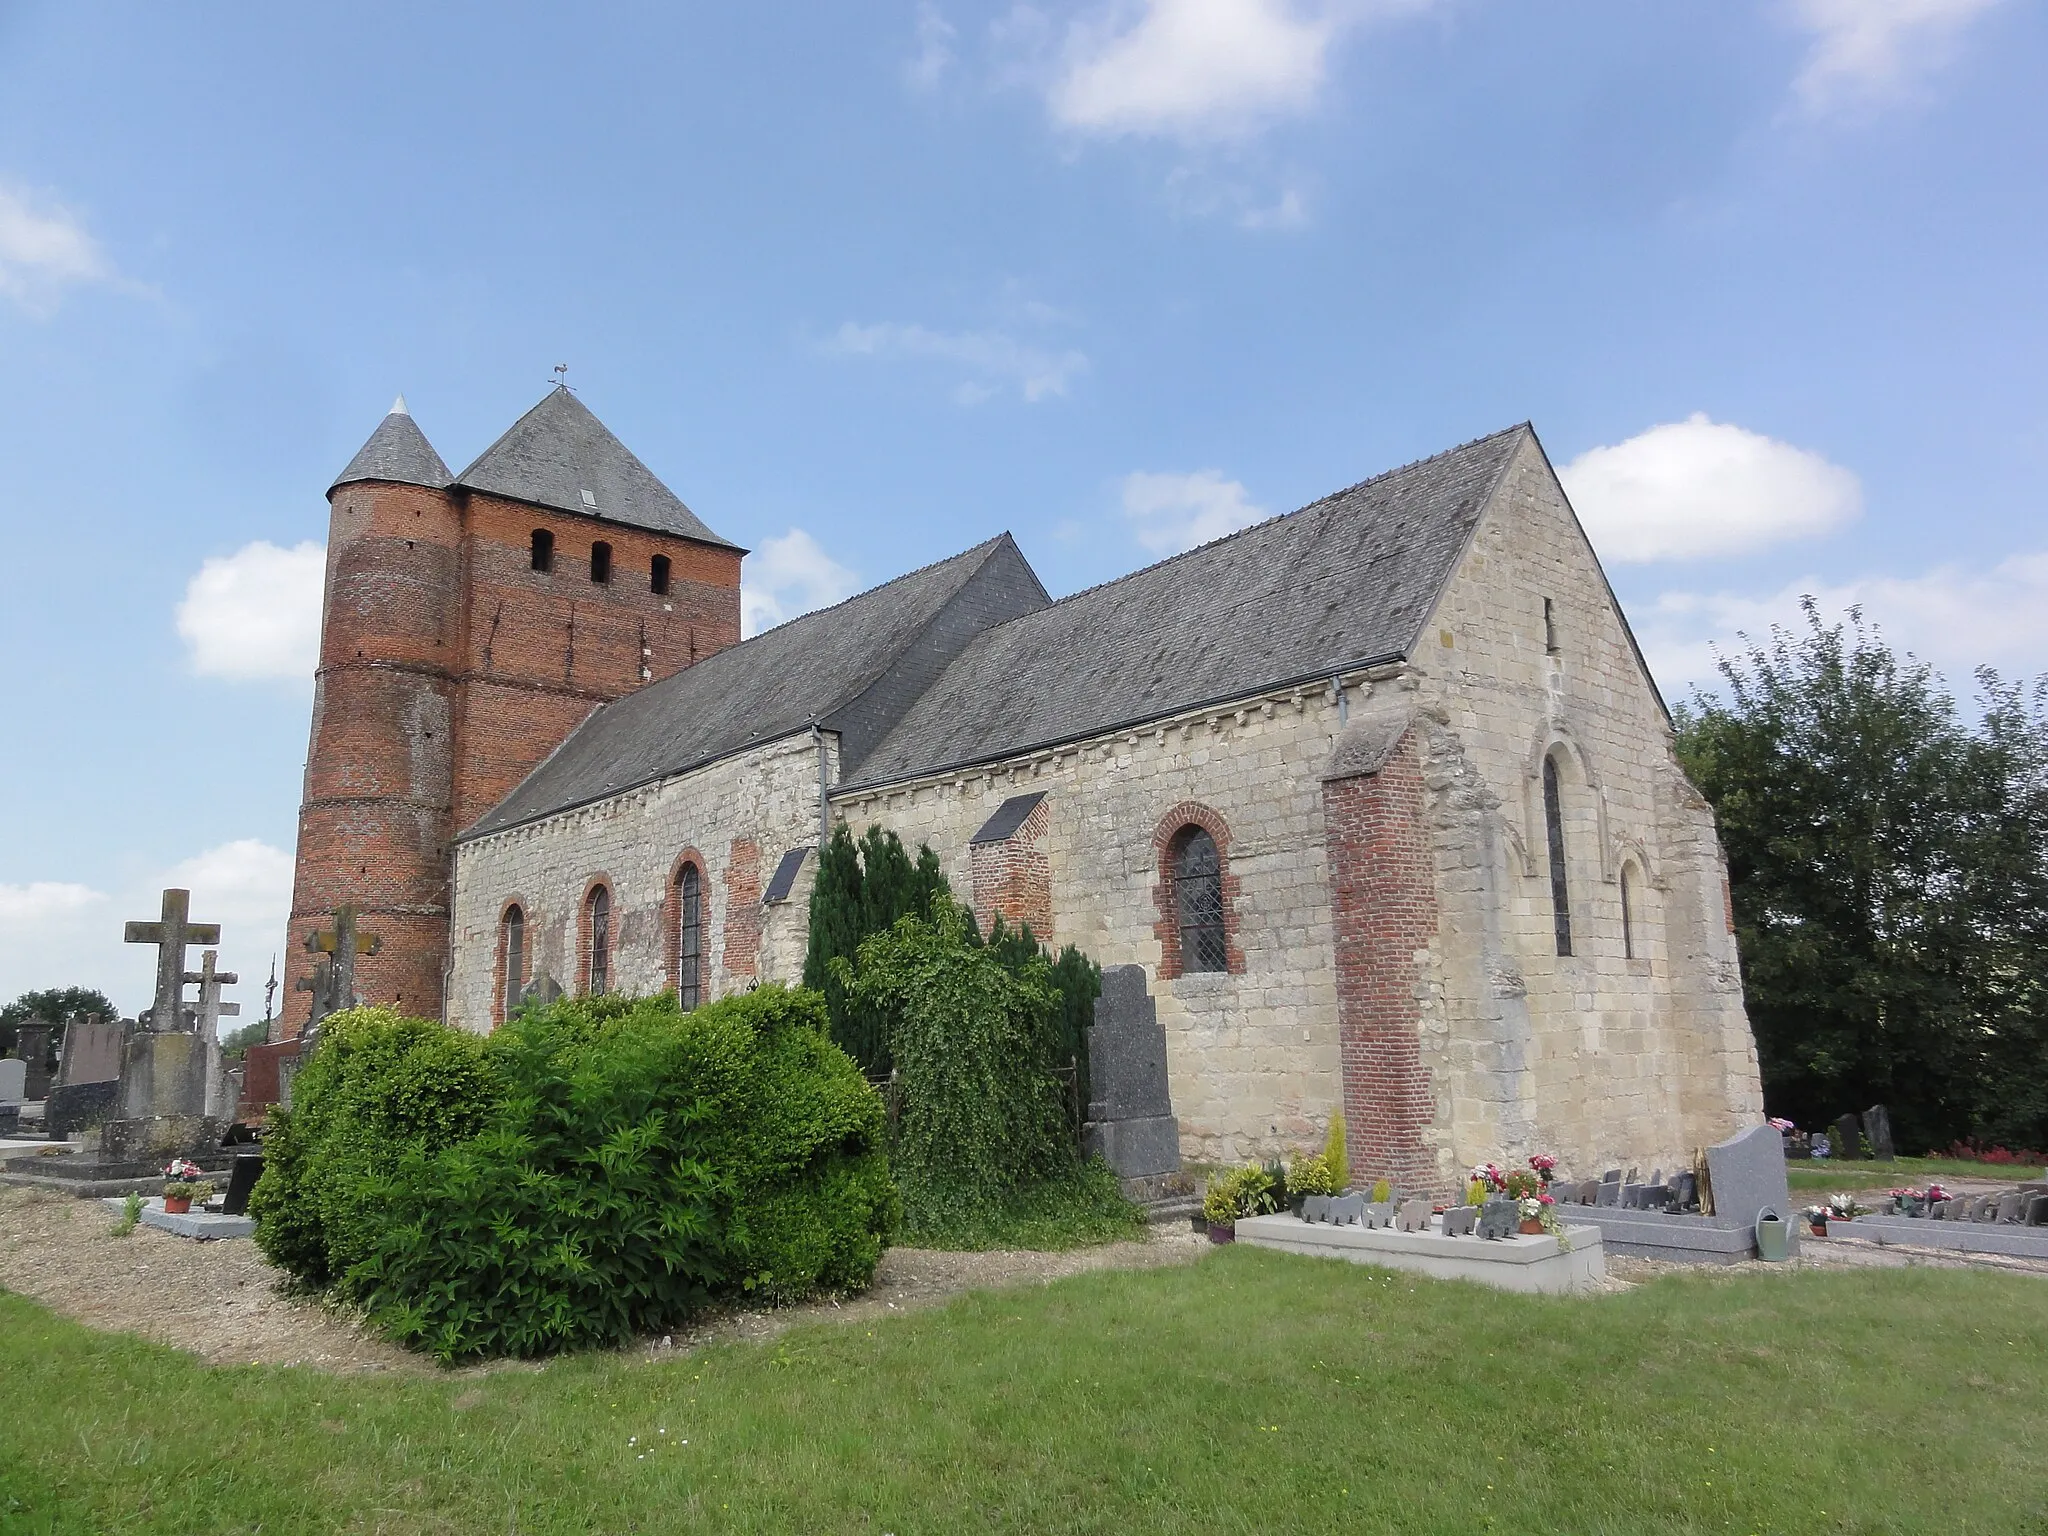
{"x":1773,"y":1237}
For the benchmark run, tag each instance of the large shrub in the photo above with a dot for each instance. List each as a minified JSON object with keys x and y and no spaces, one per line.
{"x":980,"y":1114}
{"x":862,"y":889}
{"x":632,"y":1162}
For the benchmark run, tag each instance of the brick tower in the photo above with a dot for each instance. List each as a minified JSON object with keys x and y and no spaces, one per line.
{"x":469,"y":623}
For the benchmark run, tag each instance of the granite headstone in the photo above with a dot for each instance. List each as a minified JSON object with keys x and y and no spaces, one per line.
{"x":1746,"y":1173}
{"x":1877,"y":1128}
{"x":13,"y":1080}
{"x":1848,"y":1139}
{"x":1459,"y":1219}
{"x":1131,"y":1125}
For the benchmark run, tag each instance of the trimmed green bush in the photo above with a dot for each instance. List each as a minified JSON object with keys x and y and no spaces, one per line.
{"x":618,"y":1165}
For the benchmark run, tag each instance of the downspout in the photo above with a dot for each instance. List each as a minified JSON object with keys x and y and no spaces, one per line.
{"x":1343,"y":703}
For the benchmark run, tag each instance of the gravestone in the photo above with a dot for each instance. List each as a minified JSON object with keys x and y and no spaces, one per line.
{"x":1315,"y":1207}
{"x":1632,"y":1196}
{"x":1848,"y":1139}
{"x":2009,"y":1207}
{"x":1498,"y":1218}
{"x":1458,"y":1220}
{"x":1349,"y":1210}
{"x":1877,"y":1127}
{"x":1685,"y":1191}
{"x":1608,"y":1192}
{"x":88,"y":1075}
{"x":1746,"y":1173}
{"x":169,"y":1073}
{"x":543,"y":989}
{"x":1131,"y":1125}
{"x":32,"y":1045}
{"x":248,"y":1168}
{"x":1412,"y":1217}
{"x":13,"y":1080}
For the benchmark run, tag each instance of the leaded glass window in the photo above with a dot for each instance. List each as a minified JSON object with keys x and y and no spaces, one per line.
{"x":515,"y":958}
{"x":600,"y":941}
{"x":1560,"y":894}
{"x":689,"y":935}
{"x":1198,"y":893}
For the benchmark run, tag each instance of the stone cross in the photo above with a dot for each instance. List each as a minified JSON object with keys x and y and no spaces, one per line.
{"x":172,"y":934}
{"x":211,"y":1009}
{"x":338,"y":947}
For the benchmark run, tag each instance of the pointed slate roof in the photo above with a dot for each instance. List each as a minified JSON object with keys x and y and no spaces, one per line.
{"x":397,"y":451}
{"x":853,"y":669}
{"x":559,"y":455}
{"x":1345,"y":581}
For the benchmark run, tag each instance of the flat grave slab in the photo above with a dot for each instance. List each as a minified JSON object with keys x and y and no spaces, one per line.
{"x":1513,"y":1263}
{"x":1680,"y":1239}
{"x":1961,"y":1236}
{"x":204,"y":1225}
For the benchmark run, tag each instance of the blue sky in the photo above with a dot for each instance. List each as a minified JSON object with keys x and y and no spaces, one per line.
{"x":867,"y":283}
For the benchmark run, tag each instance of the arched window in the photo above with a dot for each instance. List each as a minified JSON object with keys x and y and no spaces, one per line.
{"x":598,"y":926}
{"x":1628,"y":916}
{"x":514,"y":942}
{"x":689,"y":936}
{"x":601,"y":562}
{"x":1198,"y":902}
{"x":543,"y":550}
{"x":657,"y":577}
{"x":1560,"y":893}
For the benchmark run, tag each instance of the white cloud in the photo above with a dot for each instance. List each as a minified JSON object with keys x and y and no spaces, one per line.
{"x":1871,"y":50}
{"x":787,"y":577}
{"x":63,"y":934}
{"x":994,"y":360}
{"x":1193,"y":68}
{"x":44,"y":249}
{"x":1696,"y":488}
{"x":1174,"y":512}
{"x":255,"y":613}
{"x":1956,"y":617}
{"x":934,"y":56}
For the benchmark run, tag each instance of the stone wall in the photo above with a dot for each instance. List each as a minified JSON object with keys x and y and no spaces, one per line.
{"x":1252,"y":1050}
{"x":1598,"y":1056}
{"x":737,"y":816}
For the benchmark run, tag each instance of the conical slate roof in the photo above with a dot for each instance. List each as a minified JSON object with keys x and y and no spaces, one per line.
{"x":397,"y":451}
{"x":559,"y":455}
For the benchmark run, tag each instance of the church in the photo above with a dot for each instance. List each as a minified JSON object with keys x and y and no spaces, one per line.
{"x":1380,"y":793}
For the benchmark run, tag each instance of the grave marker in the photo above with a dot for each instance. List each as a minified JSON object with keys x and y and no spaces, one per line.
{"x":172,"y":934}
{"x":1458,"y":1220}
{"x":1877,"y":1126}
{"x":1130,"y":1122}
{"x":1498,"y":1218}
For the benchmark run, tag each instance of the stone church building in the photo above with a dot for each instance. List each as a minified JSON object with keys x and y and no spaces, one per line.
{"x":1380,"y":793}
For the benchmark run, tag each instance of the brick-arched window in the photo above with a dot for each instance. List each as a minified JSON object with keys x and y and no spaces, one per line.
{"x":512,"y":963}
{"x":1196,"y":894}
{"x":597,"y":940}
{"x":689,"y":967}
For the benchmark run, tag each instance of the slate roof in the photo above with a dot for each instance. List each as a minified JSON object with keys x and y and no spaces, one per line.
{"x":852,"y":668}
{"x":559,"y":455}
{"x":1344,"y":581}
{"x":398,"y":451}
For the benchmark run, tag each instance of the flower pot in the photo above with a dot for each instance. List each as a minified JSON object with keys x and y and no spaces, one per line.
{"x":1818,"y":1228}
{"x":1222,"y":1232}
{"x":1531,"y":1227}
{"x":177,"y":1205}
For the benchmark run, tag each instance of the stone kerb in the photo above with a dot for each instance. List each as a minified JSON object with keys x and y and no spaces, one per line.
{"x":1131,"y":1124}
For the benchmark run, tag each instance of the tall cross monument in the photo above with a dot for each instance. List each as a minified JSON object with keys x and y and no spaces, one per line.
{"x":172,"y":934}
{"x":334,"y":951}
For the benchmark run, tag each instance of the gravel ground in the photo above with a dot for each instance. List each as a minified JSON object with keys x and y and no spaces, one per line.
{"x":221,"y":1301}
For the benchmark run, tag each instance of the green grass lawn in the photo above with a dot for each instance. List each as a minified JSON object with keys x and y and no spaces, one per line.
{"x":1828,"y":1174}
{"x":1253,"y":1392}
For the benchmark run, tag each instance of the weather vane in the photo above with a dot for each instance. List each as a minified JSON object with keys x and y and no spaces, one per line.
{"x":561,"y":375}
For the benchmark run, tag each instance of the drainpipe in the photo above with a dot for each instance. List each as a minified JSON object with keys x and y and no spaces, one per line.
{"x":824,"y":804}
{"x":1343,"y":703}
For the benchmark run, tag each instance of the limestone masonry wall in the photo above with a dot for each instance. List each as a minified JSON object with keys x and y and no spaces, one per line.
{"x":1602,"y":1056}
{"x":738,"y":816}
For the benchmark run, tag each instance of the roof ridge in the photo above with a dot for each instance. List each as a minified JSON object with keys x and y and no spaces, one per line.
{"x":1281,"y":517}
{"x":984,"y":549}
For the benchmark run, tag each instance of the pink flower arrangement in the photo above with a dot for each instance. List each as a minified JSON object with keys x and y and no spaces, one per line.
{"x":1491,"y":1176}
{"x":1544,"y":1164}
{"x":1782,"y":1125}
{"x":179,"y":1168}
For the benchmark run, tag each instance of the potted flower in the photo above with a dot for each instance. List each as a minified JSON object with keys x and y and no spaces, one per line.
{"x":181,"y":1184}
{"x":1246,"y":1191}
{"x":1845,"y":1208}
{"x":1545,"y":1165}
{"x":1817,"y":1220}
{"x":1531,"y":1209}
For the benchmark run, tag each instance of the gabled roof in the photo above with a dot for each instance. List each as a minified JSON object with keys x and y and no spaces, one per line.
{"x":397,"y":451}
{"x":561,"y":456}
{"x":852,"y":669}
{"x":1344,"y":581}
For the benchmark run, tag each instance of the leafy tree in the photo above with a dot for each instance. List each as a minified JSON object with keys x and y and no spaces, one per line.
{"x":1888,"y":863}
{"x":52,"y":1006}
{"x":863,"y":888}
